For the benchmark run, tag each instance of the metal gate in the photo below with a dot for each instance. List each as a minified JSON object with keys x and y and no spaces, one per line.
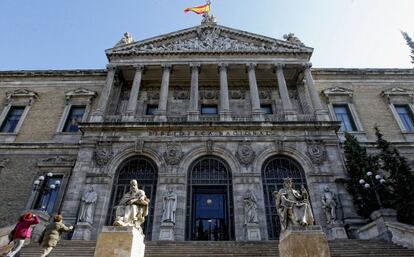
{"x":144,"y":171}
{"x":273,"y":172}
{"x":209,"y":180}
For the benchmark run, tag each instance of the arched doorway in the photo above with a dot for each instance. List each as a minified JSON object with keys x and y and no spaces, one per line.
{"x":274,"y":170}
{"x":209,"y":214}
{"x":144,"y":171}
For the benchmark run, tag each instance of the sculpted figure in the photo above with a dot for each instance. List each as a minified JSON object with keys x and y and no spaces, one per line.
{"x":169,"y":206}
{"x":329,"y":203}
{"x":88,"y":206}
{"x":292,"y":206}
{"x":250,"y":208}
{"x":133,"y":207}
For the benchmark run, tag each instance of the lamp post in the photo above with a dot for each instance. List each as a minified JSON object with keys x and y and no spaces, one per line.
{"x":40,"y":186}
{"x":376,"y":181}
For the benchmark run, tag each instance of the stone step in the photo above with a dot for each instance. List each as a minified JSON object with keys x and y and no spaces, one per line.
{"x":340,"y":248}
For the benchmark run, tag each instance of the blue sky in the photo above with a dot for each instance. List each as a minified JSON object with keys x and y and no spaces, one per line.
{"x":70,"y":34}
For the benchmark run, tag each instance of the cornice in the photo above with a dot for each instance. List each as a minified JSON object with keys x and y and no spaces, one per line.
{"x":53,"y":73}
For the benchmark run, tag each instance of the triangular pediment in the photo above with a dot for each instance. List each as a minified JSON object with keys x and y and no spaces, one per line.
{"x":209,"y":39}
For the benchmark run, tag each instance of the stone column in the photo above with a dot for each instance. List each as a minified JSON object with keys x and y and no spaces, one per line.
{"x":290,"y":114}
{"x":193,"y":112}
{"x":133,"y":98}
{"x":161,"y":114}
{"x":257,"y":113}
{"x":225,"y":113}
{"x":103,"y":102}
{"x":321,"y":114}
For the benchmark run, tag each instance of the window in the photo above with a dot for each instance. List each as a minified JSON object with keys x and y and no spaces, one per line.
{"x":12,"y":119}
{"x":74,"y":117}
{"x":48,"y":194}
{"x":344,"y":116}
{"x":209,"y":109}
{"x":266,"y":108}
{"x":151,"y":109}
{"x":406,"y":117}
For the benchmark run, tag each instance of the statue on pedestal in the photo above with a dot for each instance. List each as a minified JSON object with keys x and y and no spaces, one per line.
{"x":133,"y":207}
{"x":329,"y":203}
{"x":88,"y":206}
{"x":169,"y":206}
{"x":250,"y":208}
{"x":292,"y":206}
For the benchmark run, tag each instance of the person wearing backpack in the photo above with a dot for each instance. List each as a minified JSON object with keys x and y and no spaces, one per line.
{"x":21,"y":232}
{"x":51,"y":234}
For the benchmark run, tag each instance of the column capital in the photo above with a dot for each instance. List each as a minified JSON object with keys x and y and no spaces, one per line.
{"x":251,"y":66}
{"x":307,"y":65}
{"x":279,"y":66}
{"x":166,"y":66}
{"x":195,"y":66}
{"x":139,"y":67}
{"x":111,"y":67}
{"x":223,"y":66}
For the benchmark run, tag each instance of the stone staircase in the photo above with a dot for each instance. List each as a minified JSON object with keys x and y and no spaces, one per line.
{"x":339,"y":248}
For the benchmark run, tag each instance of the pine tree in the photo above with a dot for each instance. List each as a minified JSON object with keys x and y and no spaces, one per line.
{"x":400,"y":179}
{"x":358,"y":163}
{"x":410,"y":43}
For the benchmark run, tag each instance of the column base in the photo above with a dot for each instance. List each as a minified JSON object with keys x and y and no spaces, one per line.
{"x":83,"y":231}
{"x":225,"y":116}
{"x":336,"y":231}
{"x":258,"y":115}
{"x":193,"y":116}
{"x":290,"y":116}
{"x":298,"y":241}
{"x":167,"y":231}
{"x":160,"y":116}
{"x":120,"y":242}
{"x":253,"y":232}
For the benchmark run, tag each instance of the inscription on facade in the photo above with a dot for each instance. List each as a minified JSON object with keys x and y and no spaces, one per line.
{"x":206,"y":133}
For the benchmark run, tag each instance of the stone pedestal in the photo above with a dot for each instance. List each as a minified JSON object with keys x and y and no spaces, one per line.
{"x":167,"y":231}
{"x":299,"y":241}
{"x":120,"y":242}
{"x":336,"y":231}
{"x":83,"y":231}
{"x":38,"y":229}
{"x":253,"y":232}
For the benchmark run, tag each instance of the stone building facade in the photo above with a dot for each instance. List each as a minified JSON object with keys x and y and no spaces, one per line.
{"x":210,"y":112}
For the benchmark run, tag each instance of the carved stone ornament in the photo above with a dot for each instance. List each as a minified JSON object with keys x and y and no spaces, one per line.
{"x":209,"y":146}
{"x":102,"y":155}
{"x":21,"y":93}
{"x":80,"y":92}
{"x":291,"y":38}
{"x":338,"y":91}
{"x":139,"y":146}
{"x":397,"y":91}
{"x":245,"y":154}
{"x":126,"y":39}
{"x":237,"y":94}
{"x":57,"y":161}
{"x":211,"y":38}
{"x":173,"y":154}
{"x":264,"y":94}
{"x":181,"y":95}
{"x":316,"y":152}
{"x":209,"y":94}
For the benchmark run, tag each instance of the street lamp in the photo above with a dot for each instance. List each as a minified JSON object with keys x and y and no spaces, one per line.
{"x":40,"y":186}
{"x":376,"y":181}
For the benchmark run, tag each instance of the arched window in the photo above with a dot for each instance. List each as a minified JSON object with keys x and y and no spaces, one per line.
{"x":144,"y":171}
{"x":209,"y":201}
{"x":274,"y":170}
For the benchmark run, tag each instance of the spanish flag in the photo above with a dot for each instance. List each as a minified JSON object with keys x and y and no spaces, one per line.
{"x":199,"y":9}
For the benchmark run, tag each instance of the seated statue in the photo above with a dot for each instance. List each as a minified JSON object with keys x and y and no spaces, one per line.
{"x":133,"y":207}
{"x":292,"y":206}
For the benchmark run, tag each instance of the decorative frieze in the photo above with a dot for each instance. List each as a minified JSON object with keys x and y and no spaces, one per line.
{"x":173,"y":154}
{"x":245,"y":153}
